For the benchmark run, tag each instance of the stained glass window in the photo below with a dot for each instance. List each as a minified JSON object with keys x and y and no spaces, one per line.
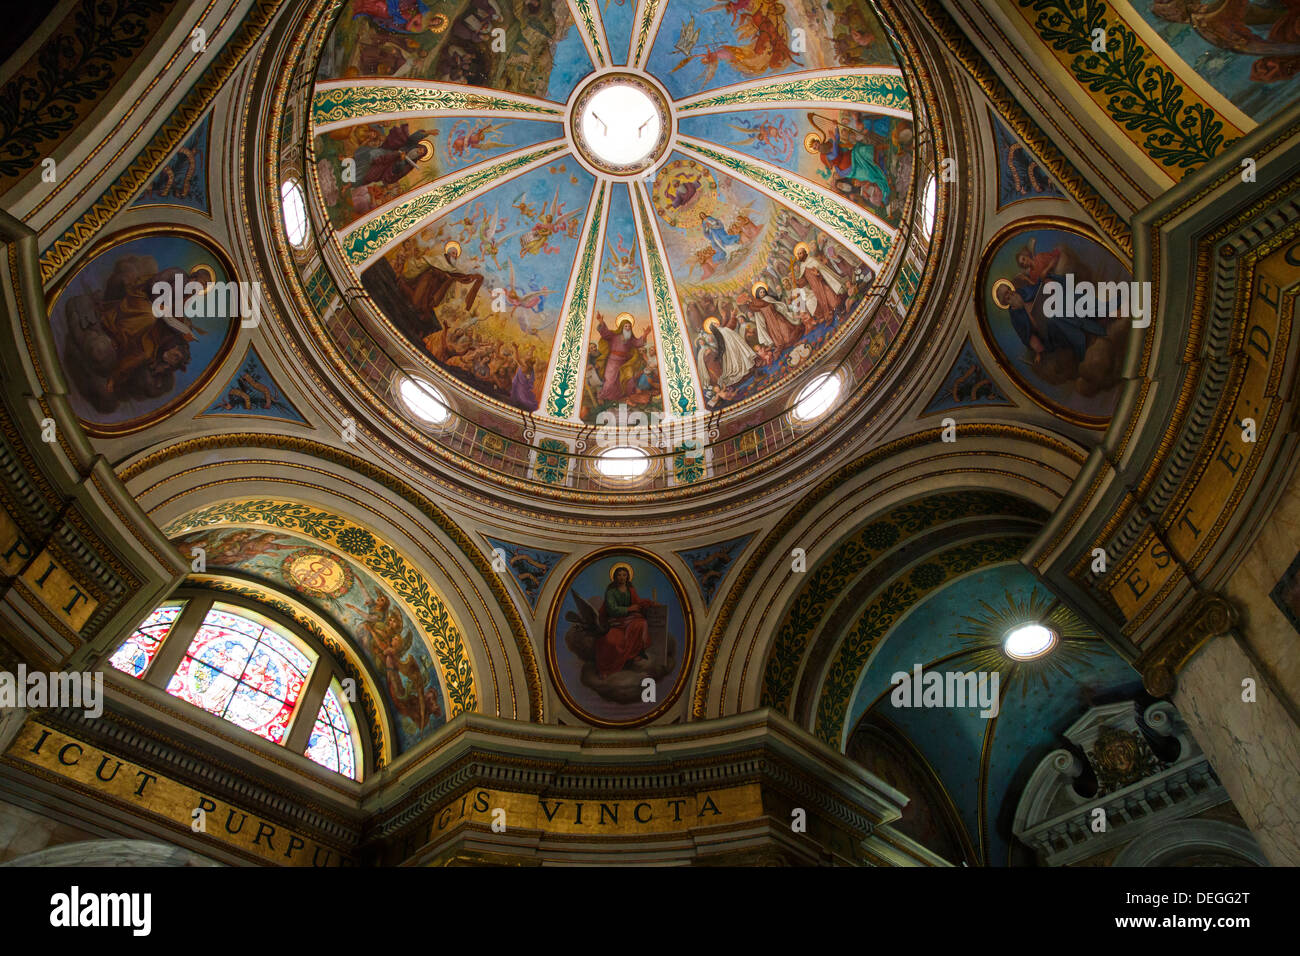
{"x":332,"y":744}
{"x":138,"y":651}
{"x":246,"y":671}
{"x":243,"y":671}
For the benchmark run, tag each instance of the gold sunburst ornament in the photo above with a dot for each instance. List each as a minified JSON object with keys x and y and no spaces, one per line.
{"x":1070,"y":649}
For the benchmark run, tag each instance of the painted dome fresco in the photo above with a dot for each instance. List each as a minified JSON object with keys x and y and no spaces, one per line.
{"x":568,"y":228}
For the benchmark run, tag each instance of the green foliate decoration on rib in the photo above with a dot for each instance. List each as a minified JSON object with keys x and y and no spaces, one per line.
{"x":643,"y":31}
{"x":681,"y":386}
{"x":371,"y":237}
{"x":564,"y":385}
{"x":365,"y":102}
{"x":589,"y":24}
{"x":885,"y":90}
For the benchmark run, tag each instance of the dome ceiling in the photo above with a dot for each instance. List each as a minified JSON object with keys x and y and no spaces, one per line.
{"x":564,"y":212}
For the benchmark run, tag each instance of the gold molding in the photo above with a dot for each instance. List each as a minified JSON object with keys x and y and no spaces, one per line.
{"x":386,"y":479}
{"x":687,"y":653}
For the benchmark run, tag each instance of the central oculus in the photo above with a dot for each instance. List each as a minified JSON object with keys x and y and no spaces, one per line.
{"x":620,"y":124}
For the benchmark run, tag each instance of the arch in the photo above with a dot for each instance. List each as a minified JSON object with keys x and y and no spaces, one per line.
{"x":179,"y":478}
{"x":1030,"y":470}
{"x":1178,"y":842}
{"x":374,"y":730}
{"x":112,"y":853}
{"x":351,"y":545}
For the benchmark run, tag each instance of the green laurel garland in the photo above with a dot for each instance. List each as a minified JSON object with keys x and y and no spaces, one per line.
{"x":681,"y":386}
{"x":366,"y":102}
{"x":564,"y":386}
{"x":885,"y":90}
{"x":1144,"y":96}
{"x":589,"y":22}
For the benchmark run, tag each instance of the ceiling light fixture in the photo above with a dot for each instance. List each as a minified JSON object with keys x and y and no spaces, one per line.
{"x":1024,"y":642}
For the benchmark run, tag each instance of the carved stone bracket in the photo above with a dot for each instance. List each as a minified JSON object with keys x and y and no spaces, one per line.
{"x":1210,"y":616}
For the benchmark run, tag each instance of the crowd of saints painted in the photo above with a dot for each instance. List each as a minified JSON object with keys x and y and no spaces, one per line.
{"x":762,"y":289}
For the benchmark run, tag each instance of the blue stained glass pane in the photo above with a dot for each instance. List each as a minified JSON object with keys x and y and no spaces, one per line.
{"x":226,"y":650}
{"x":332,"y":711}
{"x":321,"y":746}
{"x":271,"y":674}
{"x":287,"y":650}
{"x":138,"y":650}
{"x":347,"y":760}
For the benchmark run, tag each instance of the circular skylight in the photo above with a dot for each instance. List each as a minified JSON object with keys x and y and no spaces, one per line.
{"x":425,"y":402}
{"x":1028,"y":641}
{"x":294,"y":206}
{"x":816,"y":398}
{"x":622,"y":462}
{"x":620,"y":124}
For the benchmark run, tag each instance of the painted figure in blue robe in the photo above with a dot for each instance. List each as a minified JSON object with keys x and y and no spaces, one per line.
{"x":856,"y":163}
{"x":718,"y":237}
{"x":1043,"y":334}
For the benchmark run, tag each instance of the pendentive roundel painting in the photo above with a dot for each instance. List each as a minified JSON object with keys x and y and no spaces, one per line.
{"x":1057,"y":307}
{"x":619,"y":636}
{"x":127,"y":361}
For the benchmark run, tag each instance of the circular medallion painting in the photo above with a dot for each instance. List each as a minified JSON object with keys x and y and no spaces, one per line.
{"x":141,"y":326}
{"x":317,"y":573}
{"x":618,"y":638}
{"x":1057,"y":308}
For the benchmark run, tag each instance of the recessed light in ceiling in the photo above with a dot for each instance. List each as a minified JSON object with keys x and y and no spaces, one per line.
{"x":294,"y":206}
{"x":424,"y":401}
{"x":1027,"y":641}
{"x":815,"y":399}
{"x":622,"y":462}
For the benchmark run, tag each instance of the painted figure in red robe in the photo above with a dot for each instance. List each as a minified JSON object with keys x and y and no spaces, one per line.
{"x":627,"y":636}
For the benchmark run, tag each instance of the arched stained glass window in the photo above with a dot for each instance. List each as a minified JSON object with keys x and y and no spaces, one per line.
{"x":138,"y":651}
{"x":240,"y":666}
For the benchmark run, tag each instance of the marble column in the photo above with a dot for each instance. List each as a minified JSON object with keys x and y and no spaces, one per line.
{"x":1241,"y":717}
